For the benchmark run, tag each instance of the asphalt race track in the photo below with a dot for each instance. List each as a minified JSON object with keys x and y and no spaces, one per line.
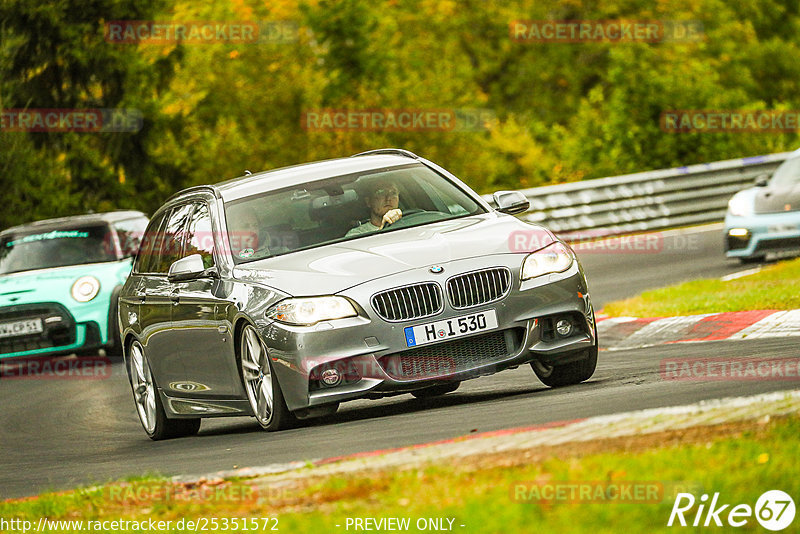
{"x":55,"y":434}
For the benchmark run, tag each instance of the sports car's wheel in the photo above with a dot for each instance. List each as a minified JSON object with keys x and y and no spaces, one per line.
{"x":261,"y":384}
{"x":567,"y":374}
{"x":436,"y":391}
{"x":148,"y":402}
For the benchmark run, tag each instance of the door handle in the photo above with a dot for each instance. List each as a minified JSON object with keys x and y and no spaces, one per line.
{"x":141,"y":295}
{"x":175,"y":297}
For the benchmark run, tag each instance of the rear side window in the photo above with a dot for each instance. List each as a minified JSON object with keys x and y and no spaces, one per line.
{"x":199,"y":236}
{"x":151,"y":241}
{"x":173,"y":238}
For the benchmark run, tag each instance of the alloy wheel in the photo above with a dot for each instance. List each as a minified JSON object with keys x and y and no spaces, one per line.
{"x":144,"y":391}
{"x":257,"y":376}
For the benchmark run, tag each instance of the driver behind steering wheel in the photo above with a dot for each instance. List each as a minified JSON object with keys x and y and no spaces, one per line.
{"x":382,"y":198}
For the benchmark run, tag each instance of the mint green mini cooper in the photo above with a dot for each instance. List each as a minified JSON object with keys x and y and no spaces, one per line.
{"x":60,"y":280}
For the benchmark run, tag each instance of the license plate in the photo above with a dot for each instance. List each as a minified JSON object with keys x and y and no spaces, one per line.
{"x":781,"y":228}
{"x":21,"y":328}
{"x":450,"y":328}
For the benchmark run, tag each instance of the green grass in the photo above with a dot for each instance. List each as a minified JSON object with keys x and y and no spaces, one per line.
{"x":740,"y":464}
{"x":776,"y":287}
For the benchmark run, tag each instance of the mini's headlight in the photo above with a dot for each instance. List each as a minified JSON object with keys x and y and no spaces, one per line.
{"x":85,"y":288}
{"x":554,"y":258}
{"x":740,"y":206}
{"x":310,"y":310}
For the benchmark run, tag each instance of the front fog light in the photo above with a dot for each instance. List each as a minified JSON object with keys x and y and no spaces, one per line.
{"x":85,"y":288}
{"x":331,"y":377}
{"x":564,"y":328}
{"x":738,"y":232}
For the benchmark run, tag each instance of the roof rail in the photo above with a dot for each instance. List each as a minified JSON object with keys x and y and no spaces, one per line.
{"x":395,"y":151}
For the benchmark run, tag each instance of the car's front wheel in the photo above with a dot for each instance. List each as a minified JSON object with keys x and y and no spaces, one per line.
{"x":148,"y":402}
{"x":569,"y":373}
{"x":261,"y":384}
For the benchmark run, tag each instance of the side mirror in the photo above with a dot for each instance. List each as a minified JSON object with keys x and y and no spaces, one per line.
{"x":762,"y":180}
{"x":188,"y":268}
{"x":511,"y":202}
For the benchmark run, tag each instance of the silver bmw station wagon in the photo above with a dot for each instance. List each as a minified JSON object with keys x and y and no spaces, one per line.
{"x":281,"y":294}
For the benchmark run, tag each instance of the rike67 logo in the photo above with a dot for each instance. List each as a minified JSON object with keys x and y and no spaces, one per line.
{"x":774,"y":510}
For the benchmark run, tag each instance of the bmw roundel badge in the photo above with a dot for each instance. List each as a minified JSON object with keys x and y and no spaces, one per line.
{"x":436,"y":269}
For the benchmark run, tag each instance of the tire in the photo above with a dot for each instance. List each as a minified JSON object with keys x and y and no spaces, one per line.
{"x":114,"y":347}
{"x":567,"y":374}
{"x":436,"y":391}
{"x":148,"y":402}
{"x":261,"y":384}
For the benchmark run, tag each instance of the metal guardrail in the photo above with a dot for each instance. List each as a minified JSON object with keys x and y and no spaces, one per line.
{"x":647,"y":200}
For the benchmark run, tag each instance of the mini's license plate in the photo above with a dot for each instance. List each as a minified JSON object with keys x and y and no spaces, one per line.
{"x":781,"y":228}
{"x":21,"y":328}
{"x":450,"y":328}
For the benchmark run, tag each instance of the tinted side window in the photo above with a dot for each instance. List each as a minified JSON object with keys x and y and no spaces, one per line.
{"x":199,"y":236}
{"x":173,"y":238}
{"x":150,"y":246}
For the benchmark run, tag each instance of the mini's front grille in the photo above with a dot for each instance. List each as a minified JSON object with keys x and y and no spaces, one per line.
{"x":478,"y":287}
{"x":737,"y":243}
{"x":440,"y":360}
{"x":30,"y":311}
{"x":58,"y":331}
{"x":783,"y":243}
{"x":408,"y":302}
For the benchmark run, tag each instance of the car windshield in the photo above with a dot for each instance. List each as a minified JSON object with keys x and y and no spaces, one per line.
{"x":341,"y":209}
{"x":788,"y":174}
{"x":42,"y":249}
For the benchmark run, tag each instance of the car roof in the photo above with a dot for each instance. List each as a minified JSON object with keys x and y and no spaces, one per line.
{"x":299,"y":174}
{"x":88,"y":219}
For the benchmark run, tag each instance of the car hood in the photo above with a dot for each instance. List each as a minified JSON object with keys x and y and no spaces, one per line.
{"x":54,"y":284}
{"x":776,"y":199}
{"x":333,"y":268}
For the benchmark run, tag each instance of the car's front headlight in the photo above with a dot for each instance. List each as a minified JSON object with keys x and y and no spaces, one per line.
{"x":553,"y":258}
{"x":740,"y":206}
{"x":310,"y":310}
{"x":85,"y":288}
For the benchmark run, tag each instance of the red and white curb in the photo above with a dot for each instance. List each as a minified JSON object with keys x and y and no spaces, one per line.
{"x":717,"y":411}
{"x":617,"y":333}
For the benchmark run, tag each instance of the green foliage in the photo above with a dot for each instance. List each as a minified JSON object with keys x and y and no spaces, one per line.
{"x":562,"y":111}
{"x":773,"y":288}
{"x":55,"y":56}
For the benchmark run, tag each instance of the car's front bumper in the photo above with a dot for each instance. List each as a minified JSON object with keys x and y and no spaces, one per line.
{"x":371,"y":353}
{"x":765,"y":233}
{"x":82,"y":327}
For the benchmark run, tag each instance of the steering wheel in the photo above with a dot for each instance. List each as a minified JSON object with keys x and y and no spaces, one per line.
{"x":415,"y":216}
